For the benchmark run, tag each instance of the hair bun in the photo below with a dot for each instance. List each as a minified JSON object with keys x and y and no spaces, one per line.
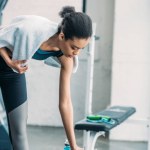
{"x":66,"y":10}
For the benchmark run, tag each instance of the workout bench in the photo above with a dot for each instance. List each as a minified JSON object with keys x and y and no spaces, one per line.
{"x":94,"y":130}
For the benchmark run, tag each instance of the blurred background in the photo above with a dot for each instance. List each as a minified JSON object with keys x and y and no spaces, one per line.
{"x":121,"y":71}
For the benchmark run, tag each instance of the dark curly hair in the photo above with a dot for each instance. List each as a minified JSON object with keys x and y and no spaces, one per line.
{"x":75,"y":24}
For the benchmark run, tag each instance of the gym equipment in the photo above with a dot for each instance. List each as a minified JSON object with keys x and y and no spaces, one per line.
{"x":2,"y":6}
{"x":95,"y":129}
{"x":66,"y":145}
{"x":4,"y":139}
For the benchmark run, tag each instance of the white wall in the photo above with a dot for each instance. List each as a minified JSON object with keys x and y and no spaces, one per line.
{"x":102,"y":12}
{"x":131,"y":66}
{"x":47,"y":8}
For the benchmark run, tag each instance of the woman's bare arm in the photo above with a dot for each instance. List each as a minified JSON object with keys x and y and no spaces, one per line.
{"x":65,"y":104}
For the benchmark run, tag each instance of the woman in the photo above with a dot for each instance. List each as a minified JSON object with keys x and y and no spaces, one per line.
{"x":38,"y":38}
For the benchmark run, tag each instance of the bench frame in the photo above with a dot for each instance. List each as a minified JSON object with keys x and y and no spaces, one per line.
{"x":91,"y":138}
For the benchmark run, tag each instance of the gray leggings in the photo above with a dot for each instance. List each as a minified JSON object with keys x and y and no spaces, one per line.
{"x":17,"y":125}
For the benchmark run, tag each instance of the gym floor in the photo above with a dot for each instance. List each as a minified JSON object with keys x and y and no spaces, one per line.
{"x":52,"y":138}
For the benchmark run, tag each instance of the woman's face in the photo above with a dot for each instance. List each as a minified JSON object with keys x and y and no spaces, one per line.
{"x":72,"y":47}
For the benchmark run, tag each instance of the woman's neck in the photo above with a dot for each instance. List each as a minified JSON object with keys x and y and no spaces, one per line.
{"x":51,"y":44}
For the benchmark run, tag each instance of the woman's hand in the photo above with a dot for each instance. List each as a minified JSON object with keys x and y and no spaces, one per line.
{"x":18,"y":65}
{"x":15,"y":64}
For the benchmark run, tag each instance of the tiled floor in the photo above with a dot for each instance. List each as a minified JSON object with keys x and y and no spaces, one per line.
{"x":51,"y":138}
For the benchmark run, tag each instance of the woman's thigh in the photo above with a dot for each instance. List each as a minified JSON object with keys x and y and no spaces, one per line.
{"x":13,"y":87}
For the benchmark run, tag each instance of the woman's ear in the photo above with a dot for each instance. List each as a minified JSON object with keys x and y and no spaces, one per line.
{"x":61,"y":36}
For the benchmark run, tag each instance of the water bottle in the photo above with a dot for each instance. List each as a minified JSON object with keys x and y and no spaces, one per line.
{"x":66,"y":145}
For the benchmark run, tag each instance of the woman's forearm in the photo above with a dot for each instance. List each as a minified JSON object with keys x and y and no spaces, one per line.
{"x":66,"y":112}
{"x":5,"y":55}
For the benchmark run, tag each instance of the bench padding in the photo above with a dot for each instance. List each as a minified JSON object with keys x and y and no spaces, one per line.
{"x":118,"y":113}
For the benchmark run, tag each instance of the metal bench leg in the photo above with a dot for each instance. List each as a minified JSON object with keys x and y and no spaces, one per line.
{"x":90,"y":138}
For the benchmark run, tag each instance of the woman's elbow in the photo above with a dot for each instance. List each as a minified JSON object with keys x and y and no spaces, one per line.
{"x":64,"y":104}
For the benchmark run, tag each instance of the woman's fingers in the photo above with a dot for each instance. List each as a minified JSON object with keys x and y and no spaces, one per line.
{"x":22,"y":69}
{"x":20,"y":66}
